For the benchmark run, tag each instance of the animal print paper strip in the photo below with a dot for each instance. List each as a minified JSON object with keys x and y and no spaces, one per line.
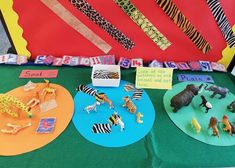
{"x":183,"y":23}
{"x":222,"y":21}
{"x":149,"y":29}
{"x":90,"y":12}
{"x":76,"y":24}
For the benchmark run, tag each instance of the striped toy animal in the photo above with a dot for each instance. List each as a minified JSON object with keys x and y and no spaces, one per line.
{"x":137,"y":95}
{"x":87,"y":90}
{"x":129,"y":104}
{"x":101,"y":128}
{"x":6,"y":101}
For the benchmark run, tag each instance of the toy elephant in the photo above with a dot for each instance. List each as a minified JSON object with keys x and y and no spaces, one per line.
{"x":217,"y":90}
{"x":185,"y":97}
{"x":231,"y":107}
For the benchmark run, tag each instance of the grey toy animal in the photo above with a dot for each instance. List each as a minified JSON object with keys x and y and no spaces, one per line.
{"x":185,"y":97}
{"x":217,"y":90}
{"x":231,"y":107}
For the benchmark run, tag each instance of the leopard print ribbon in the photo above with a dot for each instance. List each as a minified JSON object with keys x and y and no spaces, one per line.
{"x":76,"y":24}
{"x":149,"y":29}
{"x":90,"y":12}
{"x":183,"y":23}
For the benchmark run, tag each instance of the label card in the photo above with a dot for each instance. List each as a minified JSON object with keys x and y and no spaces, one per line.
{"x":154,"y":78}
{"x":195,"y":78}
{"x":40,"y":59}
{"x":107,"y":59}
{"x":38,"y":74}
{"x":182,"y":66}
{"x":136,"y":62}
{"x":4,"y":58}
{"x":124,"y":62}
{"x":57,"y":62}
{"x":170,"y":64}
{"x":66,"y":60}
{"x":156,"y":64}
{"x":206,"y":66}
{"x":218,"y":67}
{"x":94,"y":61}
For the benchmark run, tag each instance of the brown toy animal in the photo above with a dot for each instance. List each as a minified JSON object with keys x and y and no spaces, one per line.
{"x":228,"y":126}
{"x":129,"y":104}
{"x":185,"y":97}
{"x":213,"y":125}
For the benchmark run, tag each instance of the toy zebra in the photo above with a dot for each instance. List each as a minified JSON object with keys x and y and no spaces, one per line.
{"x":137,"y":95}
{"x":101,"y":128}
{"x":129,"y":87}
{"x":87,"y":90}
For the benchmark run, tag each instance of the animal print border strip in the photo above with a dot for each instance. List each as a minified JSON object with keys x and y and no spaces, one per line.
{"x":222,"y":21}
{"x":184,"y":24}
{"x":150,"y":30}
{"x":91,"y":13}
{"x":76,"y":24}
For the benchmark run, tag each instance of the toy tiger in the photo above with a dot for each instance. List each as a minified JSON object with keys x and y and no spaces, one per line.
{"x":6,"y":101}
{"x":129,"y":104}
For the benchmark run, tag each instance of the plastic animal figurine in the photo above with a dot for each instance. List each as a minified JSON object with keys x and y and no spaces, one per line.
{"x":205,"y":104}
{"x":29,"y":86}
{"x":6,"y":101}
{"x":138,"y":118}
{"x":228,"y":126}
{"x":213,"y":124}
{"x":196,"y":125}
{"x":129,"y":104}
{"x":34,"y":101}
{"x":231,"y":106}
{"x":222,"y":91}
{"x":91,"y":107}
{"x":101,"y":97}
{"x":48,"y":90}
{"x":185,"y":97}
{"x":121,"y":124}
{"x":14,"y":128}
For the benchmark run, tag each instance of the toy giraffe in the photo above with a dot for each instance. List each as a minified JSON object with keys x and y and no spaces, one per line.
{"x":48,"y":90}
{"x":6,"y":101}
{"x":34,"y":101}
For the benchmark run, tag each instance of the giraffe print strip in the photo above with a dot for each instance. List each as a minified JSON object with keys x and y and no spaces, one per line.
{"x":183,"y":23}
{"x":91,"y":13}
{"x":158,"y":38}
{"x":76,"y":24}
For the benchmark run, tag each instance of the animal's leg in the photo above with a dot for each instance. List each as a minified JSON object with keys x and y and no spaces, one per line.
{"x":124,"y":105}
{"x":175,"y":110}
{"x":222,"y":96}
{"x":213,"y":95}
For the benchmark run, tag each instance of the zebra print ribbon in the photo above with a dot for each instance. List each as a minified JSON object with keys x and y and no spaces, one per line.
{"x":158,"y":38}
{"x":183,"y":23}
{"x":76,"y":24}
{"x":222,"y":21}
{"x":90,"y":12}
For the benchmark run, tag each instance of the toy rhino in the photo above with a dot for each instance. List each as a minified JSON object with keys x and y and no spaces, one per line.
{"x":222,"y":91}
{"x":185,"y":97}
{"x":231,"y":107}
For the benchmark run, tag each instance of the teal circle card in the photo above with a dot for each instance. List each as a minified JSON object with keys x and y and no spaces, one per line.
{"x":132,"y":132}
{"x":183,"y":117}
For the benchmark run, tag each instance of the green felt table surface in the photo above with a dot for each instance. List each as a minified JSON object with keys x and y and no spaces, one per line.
{"x":164,"y":146}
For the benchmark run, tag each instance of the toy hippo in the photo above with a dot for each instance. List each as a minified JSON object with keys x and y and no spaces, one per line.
{"x":185,"y":97}
{"x":231,"y":107}
{"x":217,"y":90}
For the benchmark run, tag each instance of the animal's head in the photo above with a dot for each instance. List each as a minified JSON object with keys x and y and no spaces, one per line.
{"x":193,"y":88}
{"x":213,"y":121}
{"x":126,"y":98}
{"x":225,"y":119}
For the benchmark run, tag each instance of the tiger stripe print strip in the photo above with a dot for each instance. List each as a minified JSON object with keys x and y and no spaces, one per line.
{"x":87,"y":90}
{"x":222,"y":21}
{"x":101,"y":128}
{"x":76,"y":24}
{"x":91,"y":13}
{"x":149,"y":29}
{"x":183,"y":23}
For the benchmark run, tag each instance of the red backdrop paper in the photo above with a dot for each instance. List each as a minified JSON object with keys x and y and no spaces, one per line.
{"x":47,"y":34}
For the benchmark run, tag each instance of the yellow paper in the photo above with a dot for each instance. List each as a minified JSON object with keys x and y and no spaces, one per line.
{"x":154,"y":78}
{"x":227,"y":54}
